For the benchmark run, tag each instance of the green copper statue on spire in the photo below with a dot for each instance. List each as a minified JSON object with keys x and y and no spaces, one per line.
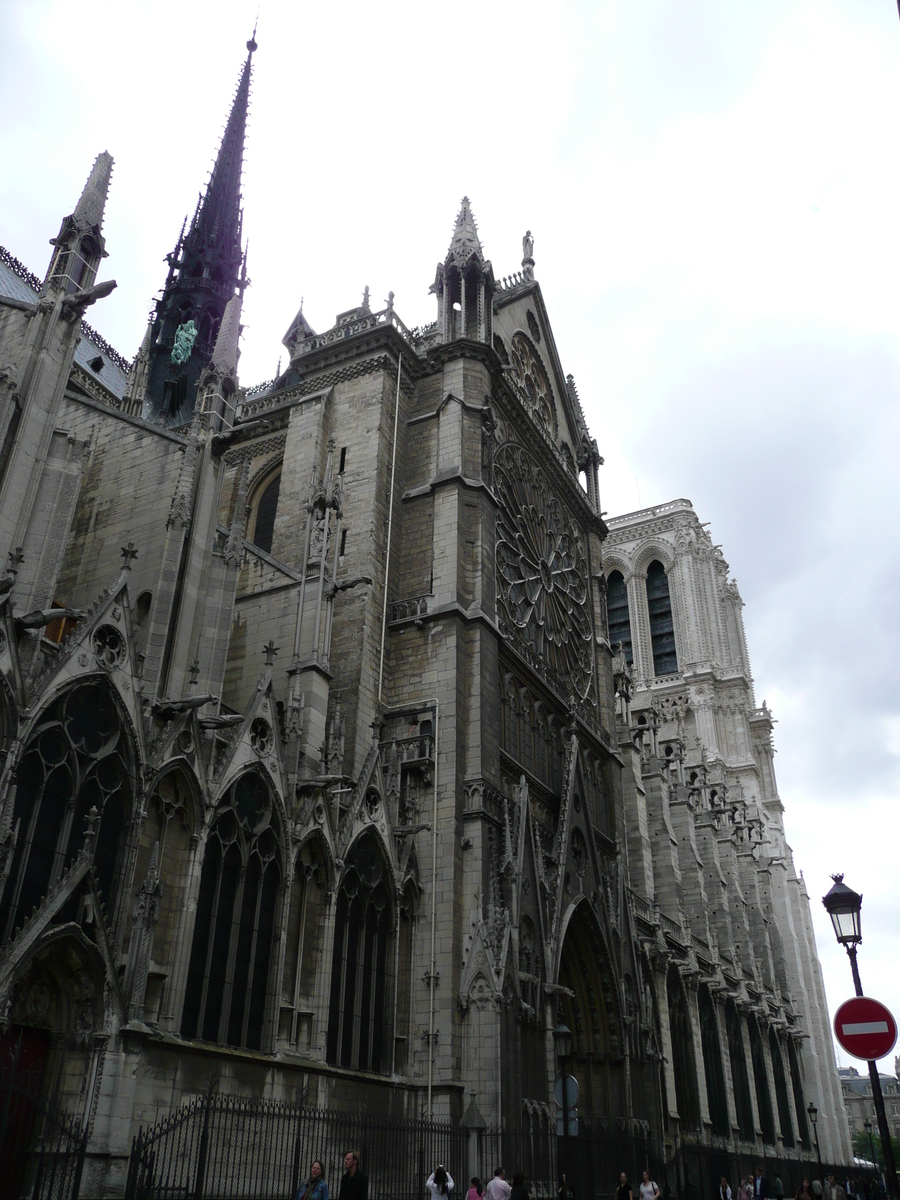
{"x":185,"y":336}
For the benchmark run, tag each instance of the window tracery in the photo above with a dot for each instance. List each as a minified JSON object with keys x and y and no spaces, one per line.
{"x":78,"y":758}
{"x":263,"y":512}
{"x":617,"y":615}
{"x":662,"y":627}
{"x":358,"y":1018}
{"x":533,"y":384}
{"x":687,"y":1096}
{"x":542,"y":568}
{"x":231,"y":953}
{"x":712,"y":1064}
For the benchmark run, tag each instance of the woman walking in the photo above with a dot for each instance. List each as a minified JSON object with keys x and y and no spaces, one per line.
{"x":476,"y":1189}
{"x":314,"y":1186}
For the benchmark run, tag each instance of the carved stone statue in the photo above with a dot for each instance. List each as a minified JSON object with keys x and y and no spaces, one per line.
{"x":527,"y":245}
{"x":185,"y":336}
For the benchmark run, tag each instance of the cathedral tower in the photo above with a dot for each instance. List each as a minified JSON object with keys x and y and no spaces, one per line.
{"x":205,"y":271}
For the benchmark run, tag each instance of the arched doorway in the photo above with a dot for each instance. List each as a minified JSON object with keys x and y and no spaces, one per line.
{"x":592,"y":1013}
{"x":49,"y":1053}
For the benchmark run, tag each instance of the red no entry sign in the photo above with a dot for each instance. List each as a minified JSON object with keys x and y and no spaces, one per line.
{"x":865,"y":1028}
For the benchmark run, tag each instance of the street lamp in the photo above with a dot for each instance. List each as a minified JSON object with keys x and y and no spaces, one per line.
{"x":867,"y":1126}
{"x":814,"y":1118}
{"x":844,"y":906}
{"x":562,"y":1036}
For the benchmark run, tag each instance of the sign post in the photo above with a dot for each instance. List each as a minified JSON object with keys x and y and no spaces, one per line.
{"x":865,"y":1028}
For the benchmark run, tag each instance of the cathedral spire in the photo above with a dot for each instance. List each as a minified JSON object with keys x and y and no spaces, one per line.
{"x":465,"y":243}
{"x":80,"y":245}
{"x":91,"y":203}
{"x":464,"y":283}
{"x":206,"y":271}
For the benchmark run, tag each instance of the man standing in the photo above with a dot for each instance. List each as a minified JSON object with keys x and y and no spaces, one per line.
{"x":354,"y":1182}
{"x":760,"y":1186}
{"x":833,"y":1190}
{"x":498,"y":1188}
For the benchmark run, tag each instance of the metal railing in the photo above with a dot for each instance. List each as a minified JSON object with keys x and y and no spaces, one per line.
{"x":234,"y":1149}
{"x":42,"y":1149}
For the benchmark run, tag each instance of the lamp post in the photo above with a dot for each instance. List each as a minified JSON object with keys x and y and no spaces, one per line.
{"x":867,"y":1126}
{"x":844,"y":906}
{"x":814,"y":1117}
{"x":562,"y":1036}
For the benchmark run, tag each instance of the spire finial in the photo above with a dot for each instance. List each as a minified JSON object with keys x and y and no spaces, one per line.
{"x":465,"y":243}
{"x":89,"y":209}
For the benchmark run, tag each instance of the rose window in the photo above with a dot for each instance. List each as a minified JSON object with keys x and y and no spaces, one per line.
{"x":534,"y":387}
{"x":542,"y":569}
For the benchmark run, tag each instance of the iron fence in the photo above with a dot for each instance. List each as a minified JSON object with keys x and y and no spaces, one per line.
{"x":233,"y":1148}
{"x":42,"y":1148}
{"x":238,"y":1149}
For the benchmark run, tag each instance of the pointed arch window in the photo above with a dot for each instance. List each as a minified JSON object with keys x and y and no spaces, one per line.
{"x":739,"y":1074}
{"x":763,"y":1099}
{"x":170,"y":821}
{"x":781,"y":1093}
{"x":662,"y":627}
{"x":686,"y":1093}
{"x":797,"y":1087}
{"x":79,"y":758}
{"x":617,"y":614}
{"x":228,"y":986}
{"x":358,"y":1018}
{"x":304,"y":943}
{"x":264,"y":516}
{"x":712,"y":1064}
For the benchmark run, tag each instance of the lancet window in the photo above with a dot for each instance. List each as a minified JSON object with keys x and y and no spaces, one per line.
{"x":739,"y":1073}
{"x":712,"y":1063}
{"x":617,"y":614}
{"x":763,"y":1099}
{"x":686,"y":1093}
{"x":228,"y":985}
{"x":169,"y":823}
{"x":781,"y":1092}
{"x":662,"y":627}
{"x":266,"y":509}
{"x":797,"y":1088}
{"x":78,"y":759}
{"x":304,"y":943}
{"x":358,"y":1013}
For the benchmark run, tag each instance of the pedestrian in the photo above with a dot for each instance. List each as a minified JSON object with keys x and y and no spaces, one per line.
{"x":747,"y":1188}
{"x":804,"y":1191}
{"x":354,"y":1182}
{"x":498,"y":1188}
{"x":648,"y":1189}
{"x":476,"y":1189}
{"x":439,"y":1182}
{"x":724,"y":1189}
{"x":314,"y":1186}
{"x":778,"y":1188}
{"x":564,"y":1192}
{"x":760,"y":1186}
{"x":817,"y":1189}
{"x":519,"y":1190}
{"x":833,"y":1190}
{"x":623,"y":1191}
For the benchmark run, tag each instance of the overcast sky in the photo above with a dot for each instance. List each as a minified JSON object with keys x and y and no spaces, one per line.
{"x":713,"y":192}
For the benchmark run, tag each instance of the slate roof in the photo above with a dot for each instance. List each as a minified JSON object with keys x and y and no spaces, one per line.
{"x":18,"y":283}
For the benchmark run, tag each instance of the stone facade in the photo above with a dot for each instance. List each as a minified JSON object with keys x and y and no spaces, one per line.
{"x":320,"y":775}
{"x":707,"y":842}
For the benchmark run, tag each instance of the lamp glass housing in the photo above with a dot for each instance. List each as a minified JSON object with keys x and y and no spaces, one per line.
{"x":844,"y":907}
{"x":562,"y":1036}
{"x":813,"y":1112}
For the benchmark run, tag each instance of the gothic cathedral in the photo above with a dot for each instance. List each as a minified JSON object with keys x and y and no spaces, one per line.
{"x":345,"y":748}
